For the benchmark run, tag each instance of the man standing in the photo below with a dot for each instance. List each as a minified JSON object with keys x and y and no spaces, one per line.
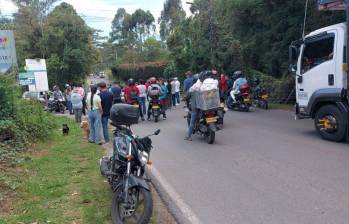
{"x":175,"y":87}
{"x":107,"y":102}
{"x":116,"y":91}
{"x":188,"y":82}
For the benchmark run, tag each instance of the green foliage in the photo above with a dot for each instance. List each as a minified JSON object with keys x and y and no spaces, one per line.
{"x":139,"y":71}
{"x":60,"y":36}
{"x":171,"y":17}
{"x":21,"y":122}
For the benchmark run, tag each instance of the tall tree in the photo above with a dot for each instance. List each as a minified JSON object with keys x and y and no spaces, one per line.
{"x":171,"y":16}
{"x":69,"y":43}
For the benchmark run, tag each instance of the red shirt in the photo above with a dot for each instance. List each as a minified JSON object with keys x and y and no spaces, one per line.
{"x":128,"y":91}
{"x":223,"y":84}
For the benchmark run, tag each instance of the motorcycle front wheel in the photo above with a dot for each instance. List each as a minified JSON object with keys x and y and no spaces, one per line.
{"x":137,"y":210}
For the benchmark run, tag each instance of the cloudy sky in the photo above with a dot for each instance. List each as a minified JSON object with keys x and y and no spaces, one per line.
{"x":99,"y":13}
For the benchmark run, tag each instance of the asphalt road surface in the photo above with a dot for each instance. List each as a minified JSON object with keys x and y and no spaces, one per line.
{"x":265,"y":167}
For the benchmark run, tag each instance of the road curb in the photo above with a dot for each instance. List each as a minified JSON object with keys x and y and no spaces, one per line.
{"x":175,"y":204}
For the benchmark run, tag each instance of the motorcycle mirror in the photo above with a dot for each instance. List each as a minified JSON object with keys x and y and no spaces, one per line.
{"x":157,"y":132}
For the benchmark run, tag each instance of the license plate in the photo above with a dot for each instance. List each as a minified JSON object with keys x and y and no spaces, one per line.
{"x":264,"y":97}
{"x":247,"y":100}
{"x":211,"y":120}
{"x":156,"y":107}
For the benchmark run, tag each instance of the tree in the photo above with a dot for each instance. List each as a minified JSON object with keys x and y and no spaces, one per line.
{"x":142,"y":24}
{"x":69,"y":45}
{"x":171,"y":16}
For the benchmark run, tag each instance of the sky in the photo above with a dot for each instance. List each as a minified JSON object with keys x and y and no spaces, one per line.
{"x":99,"y":14}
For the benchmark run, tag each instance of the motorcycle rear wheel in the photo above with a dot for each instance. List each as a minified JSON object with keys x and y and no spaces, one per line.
{"x":122,"y":215}
{"x":210,"y":137}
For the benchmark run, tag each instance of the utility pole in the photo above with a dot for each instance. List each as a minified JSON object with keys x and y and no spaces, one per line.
{"x":210,"y":9}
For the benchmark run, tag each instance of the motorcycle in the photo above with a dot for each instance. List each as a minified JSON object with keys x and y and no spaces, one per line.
{"x":125,"y":169}
{"x":56,"y":105}
{"x":155,"y":108}
{"x":243,"y":99}
{"x":260,"y":98}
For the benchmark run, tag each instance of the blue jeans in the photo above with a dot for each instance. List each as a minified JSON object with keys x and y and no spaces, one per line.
{"x":143,"y":106}
{"x":193,"y":116}
{"x":70,"y":107}
{"x":175,"y":99}
{"x":105,"y":120}
{"x":95,"y":126}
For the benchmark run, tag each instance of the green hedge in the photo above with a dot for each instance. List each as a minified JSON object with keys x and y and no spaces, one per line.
{"x":22,"y":122}
{"x":139,"y":71}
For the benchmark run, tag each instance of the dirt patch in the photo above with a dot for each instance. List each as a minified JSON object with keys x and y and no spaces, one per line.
{"x":8,"y":200}
{"x":38,"y":153}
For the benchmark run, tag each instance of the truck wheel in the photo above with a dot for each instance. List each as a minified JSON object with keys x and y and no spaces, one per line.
{"x":330,"y":124}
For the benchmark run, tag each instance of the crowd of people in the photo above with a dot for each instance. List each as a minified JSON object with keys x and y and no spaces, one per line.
{"x":96,"y":101}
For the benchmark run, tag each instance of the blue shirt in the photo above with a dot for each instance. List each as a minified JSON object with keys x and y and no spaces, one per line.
{"x":188,"y":82}
{"x":164,"y":92}
{"x":107,"y":102}
{"x":239,"y":82}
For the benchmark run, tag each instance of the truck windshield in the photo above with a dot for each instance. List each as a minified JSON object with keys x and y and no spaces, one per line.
{"x":317,"y":52}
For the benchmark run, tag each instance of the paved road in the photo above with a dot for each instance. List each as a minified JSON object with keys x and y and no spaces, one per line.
{"x":264,"y":168}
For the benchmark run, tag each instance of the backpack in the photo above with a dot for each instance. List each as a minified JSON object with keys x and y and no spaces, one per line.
{"x":154,"y":90}
{"x":133,"y":93}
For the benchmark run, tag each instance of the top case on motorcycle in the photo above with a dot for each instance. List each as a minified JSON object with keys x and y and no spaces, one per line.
{"x":124,"y":114}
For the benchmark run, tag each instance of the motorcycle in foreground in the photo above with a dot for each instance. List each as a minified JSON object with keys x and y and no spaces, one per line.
{"x":243,"y":99}
{"x":209,"y":120}
{"x":125,"y":169}
{"x":260,"y":98}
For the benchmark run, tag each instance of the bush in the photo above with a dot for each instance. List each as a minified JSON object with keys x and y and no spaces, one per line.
{"x":22,"y":122}
{"x":139,"y":71}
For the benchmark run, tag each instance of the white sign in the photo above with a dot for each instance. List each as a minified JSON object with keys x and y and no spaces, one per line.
{"x":8,"y":57}
{"x":38,"y":67}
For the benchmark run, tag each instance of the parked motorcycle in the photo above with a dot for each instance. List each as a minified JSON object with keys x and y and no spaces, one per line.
{"x":56,"y":105}
{"x":125,"y":169}
{"x":260,"y":98}
{"x":243,"y":99}
{"x":155,"y":108}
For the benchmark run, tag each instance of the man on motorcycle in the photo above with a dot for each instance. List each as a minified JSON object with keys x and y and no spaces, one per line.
{"x":193,"y":109}
{"x":132,"y":95}
{"x":154,"y":92}
{"x":239,"y":81}
{"x":57,"y":93}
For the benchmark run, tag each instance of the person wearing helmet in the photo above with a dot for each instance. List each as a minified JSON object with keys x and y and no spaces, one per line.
{"x":154,"y":92}
{"x":239,"y":81}
{"x":132,"y":94}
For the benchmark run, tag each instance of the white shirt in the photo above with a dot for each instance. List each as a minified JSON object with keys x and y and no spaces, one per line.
{"x":142,"y":90}
{"x":96,"y":101}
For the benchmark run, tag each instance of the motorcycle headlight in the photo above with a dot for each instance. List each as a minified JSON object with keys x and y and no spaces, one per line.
{"x":143,"y":157}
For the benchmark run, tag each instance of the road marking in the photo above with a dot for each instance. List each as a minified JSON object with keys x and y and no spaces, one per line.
{"x":174,"y":196}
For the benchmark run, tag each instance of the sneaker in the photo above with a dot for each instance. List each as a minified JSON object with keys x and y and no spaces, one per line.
{"x":143,"y":119}
{"x":90,"y":141}
{"x":148,"y":119}
{"x":164,"y":118}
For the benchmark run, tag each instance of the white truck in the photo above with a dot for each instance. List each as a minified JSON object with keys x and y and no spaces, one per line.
{"x":320,"y":63}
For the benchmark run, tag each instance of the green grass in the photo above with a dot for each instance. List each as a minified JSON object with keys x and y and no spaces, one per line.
{"x":59,"y":182}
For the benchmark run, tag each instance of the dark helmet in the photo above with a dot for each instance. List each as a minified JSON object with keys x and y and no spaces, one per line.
{"x":237,"y":74}
{"x":205,"y":75}
{"x":131,"y":82}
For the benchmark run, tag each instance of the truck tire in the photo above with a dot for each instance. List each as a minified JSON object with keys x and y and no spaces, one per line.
{"x":339,"y":133}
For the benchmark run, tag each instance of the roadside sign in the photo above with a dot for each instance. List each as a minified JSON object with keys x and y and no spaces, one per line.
{"x":8,"y":57}
{"x":26,"y":78}
{"x":38,"y":68}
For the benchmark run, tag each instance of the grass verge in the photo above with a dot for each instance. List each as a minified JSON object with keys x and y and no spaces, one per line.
{"x":59,"y":182}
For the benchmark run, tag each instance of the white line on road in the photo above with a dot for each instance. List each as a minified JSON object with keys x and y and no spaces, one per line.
{"x":174,"y":196}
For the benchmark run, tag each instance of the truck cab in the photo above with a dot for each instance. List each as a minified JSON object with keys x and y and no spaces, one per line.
{"x":319,"y":63}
